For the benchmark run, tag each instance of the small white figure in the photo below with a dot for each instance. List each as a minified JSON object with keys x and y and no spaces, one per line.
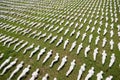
{"x":78,"y":34}
{"x":65,"y":44}
{"x":20,"y":42}
{"x":53,"y":39}
{"x":90,"y":73}
{"x":14,"y":41}
{"x":112,"y":60}
{"x":87,"y":49}
{"x":42,"y":51}
{"x":46,"y":39}
{"x":5,"y":62}
{"x":95,"y":54}
{"x":111,"y":33}
{"x":83,"y":37}
{"x":60,"y":41}
{"x":73,"y":46}
{"x":35,"y":74}
{"x":45,"y":77}
{"x":72,"y":33}
{"x":1,"y":55}
{"x":71,"y":68}
{"x":104,"y":42}
{"x":66,"y":31}
{"x":34,"y":51}
{"x":104,"y":55}
{"x":22,"y":46}
{"x":48,"y":56}
{"x":79,"y":48}
{"x":28,"y":48}
{"x":81,"y":70}
{"x":88,"y":27}
{"x":99,"y":75}
{"x":98,"y":31}
{"x":105,"y":31}
{"x":18,"y":67}
{"x":90,"y":38}
{"x":93,"y":28}
{"x":9,"y":66}
{"x":97,"y":39}
{"x":64,"y":60}
{"x":55,"y":78}
{"x":111,"y":44}
{"x":24,"y":72}
{"x":56,"y":58}
{"x":109,"y":78}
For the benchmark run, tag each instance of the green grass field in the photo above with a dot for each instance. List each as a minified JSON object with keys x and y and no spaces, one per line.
{"x":20,"y":13}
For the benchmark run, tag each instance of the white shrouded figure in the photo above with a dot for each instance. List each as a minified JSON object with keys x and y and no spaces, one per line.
{"x":81,"y":70}
{"x":83,"y":36}
{"x":60,"y":41}
{"x":95,"y":54}
{"x":104,"y":55}
{"x":111,"y":33}
{"x":104,"y":42}
{"x":87,"y":49}
{"x":1,"y":55}
{"x":14,"y":41}
{"x":71,"y":67}
{"x":49,"y":36}
{"x":118,"y":26}
{"x":72,"y":33}
{"x":36,"y":35}
{"x":105,"y":31}
{"x":34,"y":32}
{"x":61,"y":29}
{"x":77,"y":35}
{"x":79,"y":48}
{"x":42,"y":51}
{"x":90,"y":38}
{"x":66,"y":31}
{"x":8,"y":41}
{"x":93,"y":28}
{"x":73,"y":46}
{"x":35,"y":74}
{"x":112,"y":60}
{"x":56,"y":58}
{"x":53,"y":39}
{"x":24,"y":72}
{"x":109,"y":78}
{"x":64,"y":60}
{"x":97,"y":39}
{"x":22,"y":46}
{"x":4,"y":39}
{"x":55,"y":78}
{"x":18,"y":67}
{"x":45,"y":77}
{"x":100,"y":75}
{"x":34,"y":51}
{"x":48,"y":56}
{"x":5,"y":62}
{"x":65,"y":44}
{"x":20,"y":42}
{"x":119,"y":46}
{"x":9,"y":66}
{"x":90,"y":73}
{"x":111,"y":44}
{"x":88,"y":27}
{"x":42,"y":35}
{"x":28,"y":48}
{"x":98,"y":31}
